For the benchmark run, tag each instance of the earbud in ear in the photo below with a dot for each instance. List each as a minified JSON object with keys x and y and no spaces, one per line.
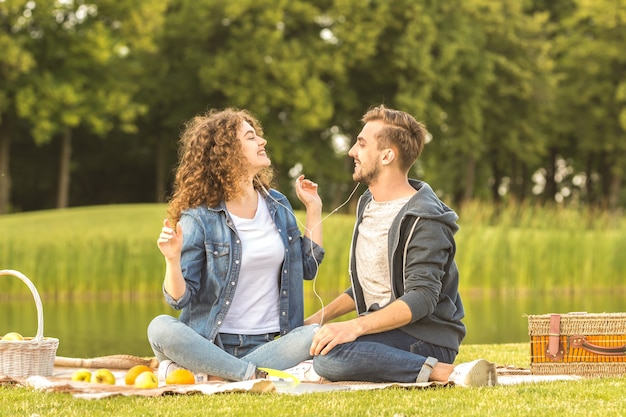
{"x":388,"y":157}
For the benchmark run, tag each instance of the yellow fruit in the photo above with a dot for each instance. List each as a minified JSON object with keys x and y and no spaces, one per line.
{"x":146,"y":379}
{"x":83,"y":375}
{"x":103,"y":376}
{"x":133,"y":372}
{"x":13,"y":336}
{"x":180,"y":376}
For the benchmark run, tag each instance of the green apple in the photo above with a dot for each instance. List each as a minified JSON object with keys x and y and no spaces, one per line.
{"x":13,"y":336}
{"x":146,"y":379}
{"x":83,"y":375}
{"x":103,"y":376}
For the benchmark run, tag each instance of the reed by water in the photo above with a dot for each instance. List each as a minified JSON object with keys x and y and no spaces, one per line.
{"x":110,"y":251}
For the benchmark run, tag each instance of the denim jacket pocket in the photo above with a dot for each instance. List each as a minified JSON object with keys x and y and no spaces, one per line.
{"x":218,"y":258}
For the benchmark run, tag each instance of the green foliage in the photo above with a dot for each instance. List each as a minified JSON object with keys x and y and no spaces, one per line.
{"x":80,"y":76}
{"x":15,"y":59}
{"x":112,"y":249}
{"x":510,"y":90}
{"x":79,"y":250}
{"x":591,"y":68}
{"x":530,"y":248}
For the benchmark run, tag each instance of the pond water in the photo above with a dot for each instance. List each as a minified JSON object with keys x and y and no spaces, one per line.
{"x":97,"y":328}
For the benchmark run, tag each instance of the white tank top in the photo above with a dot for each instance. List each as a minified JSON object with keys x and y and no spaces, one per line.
{"x":255,"y":306}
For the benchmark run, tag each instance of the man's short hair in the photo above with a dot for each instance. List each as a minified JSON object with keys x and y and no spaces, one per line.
{"x":401,"y":131}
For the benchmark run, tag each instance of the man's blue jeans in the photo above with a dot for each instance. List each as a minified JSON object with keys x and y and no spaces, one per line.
{"x":241,"y":355}
{"x":392,"y":356}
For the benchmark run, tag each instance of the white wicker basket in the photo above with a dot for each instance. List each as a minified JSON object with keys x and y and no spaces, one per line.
{"x":33,"y":355}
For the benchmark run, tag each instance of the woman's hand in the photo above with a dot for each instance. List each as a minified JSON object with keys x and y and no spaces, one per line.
{"x":306,"y":190}
{"x":170,"y":244}
{"x":170,"y":240}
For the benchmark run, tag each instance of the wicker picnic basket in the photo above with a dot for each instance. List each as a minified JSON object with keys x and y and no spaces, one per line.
{"x":584,"y":344}
{"x":33,"y":355}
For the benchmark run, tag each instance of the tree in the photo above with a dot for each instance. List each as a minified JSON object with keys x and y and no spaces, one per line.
{"x":515,"y":103}
{"x":83,"y":54}
{"x":460,"y":72}
{"x":265,"y":56}
{"x":591,"y":68}
{"x":15,"y":62}
{"x":523,"y":99}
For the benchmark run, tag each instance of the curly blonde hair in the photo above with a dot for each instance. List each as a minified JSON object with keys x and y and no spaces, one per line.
{"x":211,"y":165}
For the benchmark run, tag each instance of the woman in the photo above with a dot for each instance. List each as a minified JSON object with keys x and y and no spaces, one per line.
{"x":235,"y":258}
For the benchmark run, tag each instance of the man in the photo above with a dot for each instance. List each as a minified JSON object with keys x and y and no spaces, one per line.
{"x":402,"y":269}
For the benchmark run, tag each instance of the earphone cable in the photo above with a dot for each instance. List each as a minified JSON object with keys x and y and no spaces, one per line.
{"x":311,"y":233}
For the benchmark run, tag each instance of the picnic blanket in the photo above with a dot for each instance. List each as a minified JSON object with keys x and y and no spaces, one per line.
{"x":60,"y":381}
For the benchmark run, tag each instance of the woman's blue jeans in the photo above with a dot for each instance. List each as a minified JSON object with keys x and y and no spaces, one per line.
{"x":240,"y":355}
{"x":392,"y":356}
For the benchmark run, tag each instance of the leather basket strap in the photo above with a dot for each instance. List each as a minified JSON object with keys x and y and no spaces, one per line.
{"x":554,"y":350}
{"x":581,"y":342}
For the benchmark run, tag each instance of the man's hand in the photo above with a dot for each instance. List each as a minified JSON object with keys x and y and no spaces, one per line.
{"x":393,"y":316}
{"x":330,"y":335}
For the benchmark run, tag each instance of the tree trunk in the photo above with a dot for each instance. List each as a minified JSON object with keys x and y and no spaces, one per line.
{"x":470,"y":179}
{"x":614,"y":181}
{"x":497,"y":178}
{"x":65,"y":159}
{"x":589,"y":185}
{"x":614,"y":192}
{"x":525,"y":189}
{"x":5,"y":174}
{"x":550,"y":188}
{"x":161,"y":171}
{"x":605,"y":179}
{"x":514,"y":178}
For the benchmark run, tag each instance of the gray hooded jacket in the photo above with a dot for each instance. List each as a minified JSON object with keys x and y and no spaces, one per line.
{"x":422,"y":268}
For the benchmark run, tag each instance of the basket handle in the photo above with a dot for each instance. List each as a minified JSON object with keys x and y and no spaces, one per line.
{"x":581,"y":342}
{"x":33,"y":290}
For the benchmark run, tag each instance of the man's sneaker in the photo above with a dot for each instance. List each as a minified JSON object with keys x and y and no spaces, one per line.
{"x":167,"y":366}
{"x":477,"y":373}
{"x":304,"y":372}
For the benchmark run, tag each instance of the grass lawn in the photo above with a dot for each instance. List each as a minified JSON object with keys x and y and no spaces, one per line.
{"x":590,"y":397}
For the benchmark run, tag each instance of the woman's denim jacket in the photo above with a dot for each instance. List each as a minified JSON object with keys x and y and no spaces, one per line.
{"x":210,"y":262}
